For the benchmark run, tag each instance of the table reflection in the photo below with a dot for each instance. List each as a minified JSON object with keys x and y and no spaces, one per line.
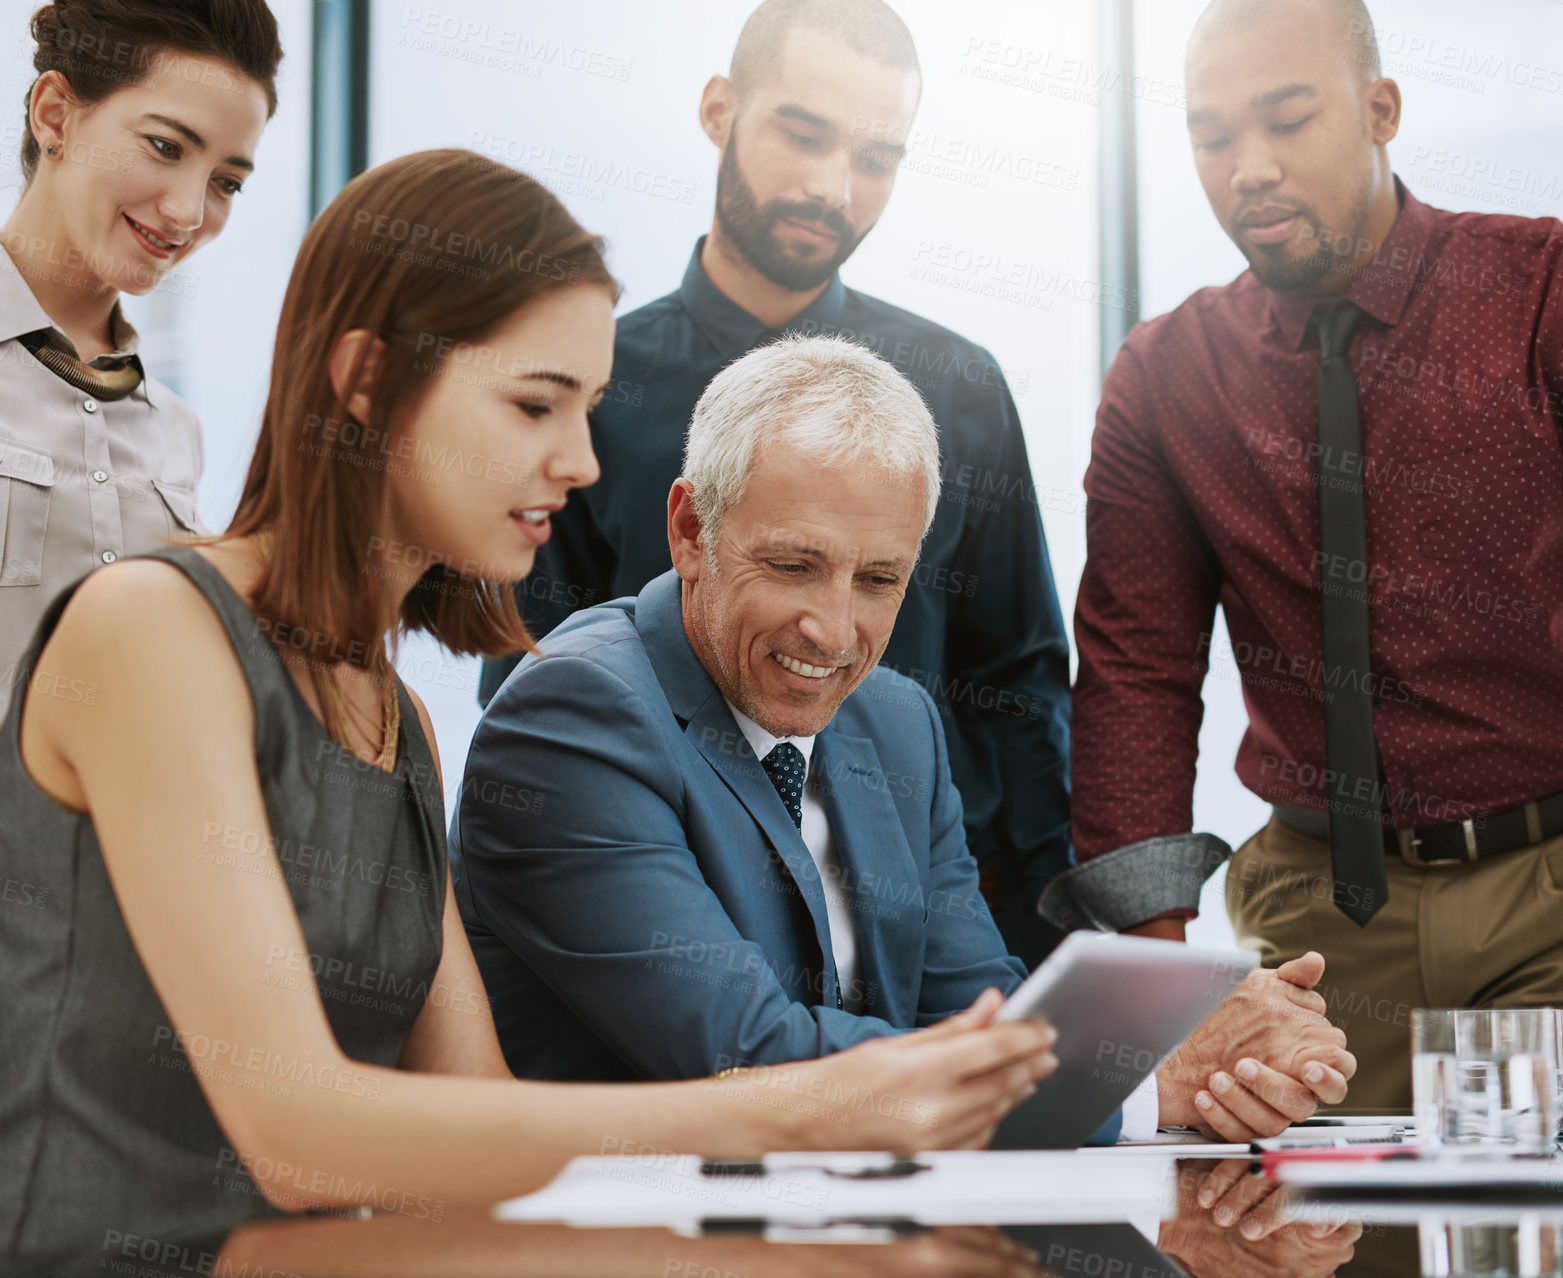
{"x":1490,"y":1244}
{"x":1284,"y":1239}
{"x":1233,"y":1224}
{"x":466,"y":1245}
{"x":1389,"y":1236}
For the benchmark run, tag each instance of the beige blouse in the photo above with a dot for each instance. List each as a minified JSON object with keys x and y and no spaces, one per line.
{"x":82,"y":482}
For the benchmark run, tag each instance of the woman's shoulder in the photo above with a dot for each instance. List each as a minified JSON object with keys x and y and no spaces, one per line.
{"x":143,"y":613}
{"x":164,"y":399}
{"x":155,"y":667}
{"x":138,"y":591}
{"x":180,"y":429}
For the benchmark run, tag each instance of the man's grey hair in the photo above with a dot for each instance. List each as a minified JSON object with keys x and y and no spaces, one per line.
{"x":833,"y":400}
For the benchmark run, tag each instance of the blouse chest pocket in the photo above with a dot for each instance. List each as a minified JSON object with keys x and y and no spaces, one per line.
{"x":180,"y":503}
{"x":26,"y":484}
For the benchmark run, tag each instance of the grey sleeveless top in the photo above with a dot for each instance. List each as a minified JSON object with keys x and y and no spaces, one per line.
{"x":103,"y":1125}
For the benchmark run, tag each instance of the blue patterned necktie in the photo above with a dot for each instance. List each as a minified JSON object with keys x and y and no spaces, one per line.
{"x":787,"y":770}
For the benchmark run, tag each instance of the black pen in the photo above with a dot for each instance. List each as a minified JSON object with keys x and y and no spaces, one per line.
{"x":901,"y":1226}
{"x":897,"y":1167}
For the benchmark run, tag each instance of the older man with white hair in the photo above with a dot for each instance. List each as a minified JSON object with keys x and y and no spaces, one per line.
{"x":702,"y":829}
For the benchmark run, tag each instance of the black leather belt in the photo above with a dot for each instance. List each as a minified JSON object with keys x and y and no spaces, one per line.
{"x":1457,"y":843}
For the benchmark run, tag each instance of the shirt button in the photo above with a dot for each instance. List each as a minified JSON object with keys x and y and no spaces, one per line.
{"x":91,"y":405}
{"x":100,"y":475}
{"x":109,"y":556}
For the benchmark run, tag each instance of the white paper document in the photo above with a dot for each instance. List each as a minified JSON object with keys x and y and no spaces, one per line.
{"x":956,"y":1188}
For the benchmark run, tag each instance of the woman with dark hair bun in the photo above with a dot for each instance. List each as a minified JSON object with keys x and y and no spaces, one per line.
{"x":245,"y":983}
{"x":140,"y":130}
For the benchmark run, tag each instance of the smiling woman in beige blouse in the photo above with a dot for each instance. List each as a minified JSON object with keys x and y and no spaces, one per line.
{"x":140,"y":132}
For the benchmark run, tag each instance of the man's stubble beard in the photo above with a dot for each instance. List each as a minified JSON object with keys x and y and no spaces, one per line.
{"x":1285,"y":274}
{"x":752,"y":229}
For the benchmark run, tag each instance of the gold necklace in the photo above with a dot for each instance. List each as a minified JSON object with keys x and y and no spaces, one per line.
{"x":335,"y":708}
{"x":107,"y":384}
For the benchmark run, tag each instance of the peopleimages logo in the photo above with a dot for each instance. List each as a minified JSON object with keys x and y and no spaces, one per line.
{"x":313,"y":1185}
{"x":502,"y":48}
{"x":1460,"y":66}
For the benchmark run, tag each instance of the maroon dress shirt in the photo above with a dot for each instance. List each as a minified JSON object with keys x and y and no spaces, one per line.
{"x":1201,"y":491}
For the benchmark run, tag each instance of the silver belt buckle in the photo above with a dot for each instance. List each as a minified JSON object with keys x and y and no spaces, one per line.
{"x":1409,"y":843}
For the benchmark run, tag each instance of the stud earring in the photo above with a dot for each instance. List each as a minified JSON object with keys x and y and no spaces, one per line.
{"x":51,"y":150}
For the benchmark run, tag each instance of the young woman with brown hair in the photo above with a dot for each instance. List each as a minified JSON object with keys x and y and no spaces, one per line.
{"x":140,"y":131}
{"x":245,"y":973}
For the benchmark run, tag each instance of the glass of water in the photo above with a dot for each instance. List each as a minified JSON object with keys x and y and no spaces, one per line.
{"x":1485,"y":1078}
{"x":1495,"y":1243}
{"x":1557,"y":1072}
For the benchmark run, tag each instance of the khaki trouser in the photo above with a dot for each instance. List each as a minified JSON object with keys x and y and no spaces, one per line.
{"x":1483,"y":934}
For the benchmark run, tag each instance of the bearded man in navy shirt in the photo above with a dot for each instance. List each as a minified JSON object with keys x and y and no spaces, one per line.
{"x":811,"y":123}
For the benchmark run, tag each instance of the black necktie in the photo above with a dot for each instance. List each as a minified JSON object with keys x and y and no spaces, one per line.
{"x":1350,"y":750}
{"x":787,"y":770}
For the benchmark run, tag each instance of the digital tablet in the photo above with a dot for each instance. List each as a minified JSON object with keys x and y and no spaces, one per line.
{"x":1121,"y":1005}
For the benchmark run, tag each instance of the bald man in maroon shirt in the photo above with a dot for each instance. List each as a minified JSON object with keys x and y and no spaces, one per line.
{"x":1205,"y":488}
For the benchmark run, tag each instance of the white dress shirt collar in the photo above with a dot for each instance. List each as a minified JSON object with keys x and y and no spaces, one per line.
{"x":763,"y":742}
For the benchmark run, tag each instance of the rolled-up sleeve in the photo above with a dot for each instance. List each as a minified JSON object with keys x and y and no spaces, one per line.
{"x":1143,"y":622}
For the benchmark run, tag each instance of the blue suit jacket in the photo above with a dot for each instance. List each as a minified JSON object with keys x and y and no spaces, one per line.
{"x":639,"y":901}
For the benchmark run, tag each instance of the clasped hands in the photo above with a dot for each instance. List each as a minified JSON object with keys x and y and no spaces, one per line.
{"x":1266,"y":1058}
